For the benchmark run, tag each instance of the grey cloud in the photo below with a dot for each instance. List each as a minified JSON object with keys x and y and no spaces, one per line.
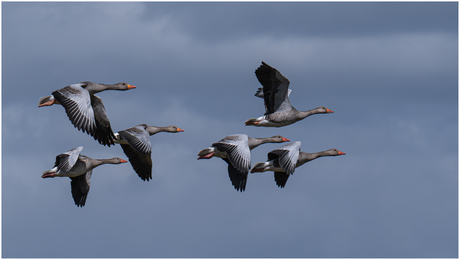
{"x":223,"y":21}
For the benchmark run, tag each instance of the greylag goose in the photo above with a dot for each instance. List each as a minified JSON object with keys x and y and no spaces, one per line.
{"x":84,"y":109}
{"x":78,"y":168}
{"x":235,"y":150}
{"x":285,"y":159}
{"x":135,"y":142}
{"x":278,"y":110}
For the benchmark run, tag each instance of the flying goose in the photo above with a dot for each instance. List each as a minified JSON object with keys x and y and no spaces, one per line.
{"x":278,"y":110}
{"x":84,"y":109}
{"x":235,"y":150}
{"x":78,"y":168}
{"x":285,"y":159}
{"x":135,"y":142}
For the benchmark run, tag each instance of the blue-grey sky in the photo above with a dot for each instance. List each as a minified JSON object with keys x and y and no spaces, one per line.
{"x":389,"y":70}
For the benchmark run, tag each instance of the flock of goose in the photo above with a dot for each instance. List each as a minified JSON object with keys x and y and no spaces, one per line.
{"x":87,"y":113}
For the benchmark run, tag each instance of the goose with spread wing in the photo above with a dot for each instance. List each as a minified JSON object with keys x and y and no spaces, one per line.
{"x":135,"y":142}
{"x":235,"y":150}
{"x":285,"y":159}
{"x":275,"y":92}
{"x":79,"y":169}
{"x":84,"y":109}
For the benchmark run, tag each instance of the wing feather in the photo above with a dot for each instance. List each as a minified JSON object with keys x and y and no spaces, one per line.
{"x":287,"y":156}
{"x":80,"y":188}
{"x":238,"y":151}
{"x":138,"y":138}
{"x":65,"y":161}
{"x":77,"y":104}
{"x":275,"y":89}
{"x":141,"y":162}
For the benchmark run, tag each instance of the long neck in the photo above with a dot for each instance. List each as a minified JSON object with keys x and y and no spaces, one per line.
{"x":254,"y":142}
{"x":155,"y":129}
{"x":96,"y":162}
{"x":98,"y":87}
{"x":306,"y":157}
{"x":304,"y":114}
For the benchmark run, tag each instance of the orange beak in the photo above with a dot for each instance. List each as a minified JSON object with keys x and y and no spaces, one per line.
{"x":341,"y":153}
{"x":329,"y":111}
{"x":180,"y":130}
{"x":131,"y":86}
{"x":285,"y":139}
{"x":123,"y":161}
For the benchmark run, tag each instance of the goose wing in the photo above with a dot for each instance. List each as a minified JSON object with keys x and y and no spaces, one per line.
{"x":287,"y":156}
{"x":138,"y":150}
{"x":86,"y":112}
{"x":80,"y":188}
{"x":65,"y":161}
{"x":77,"y":104}
{"x":281,"y":179}
{"x":138,"y":138}
{"x":275,"y":89}
{"x":237,"y":149}
{"x":260,"y":92}
{"x":103,"y":133}
{"x":141,"y":162}
{"x":237,"y":178}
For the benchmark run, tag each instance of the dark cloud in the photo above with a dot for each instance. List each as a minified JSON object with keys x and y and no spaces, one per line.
{"x":225,"y":21}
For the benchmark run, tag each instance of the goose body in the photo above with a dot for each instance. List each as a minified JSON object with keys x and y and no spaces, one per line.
{"x":236,"y":151}
{"x":135,"y":142}
{"x":285,"y":159}
{"x":275,"y":92}
{"x":84,"y":109}
{"x":79,"y":169}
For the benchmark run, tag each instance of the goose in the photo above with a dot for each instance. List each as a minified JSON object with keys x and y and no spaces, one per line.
{"x":235,"y":150}
{"x":285,"y":159}
{"x":79,"y":169}
{"x":278,"y":109}
{"x":135,"y":142}
{"x":84,"y":109}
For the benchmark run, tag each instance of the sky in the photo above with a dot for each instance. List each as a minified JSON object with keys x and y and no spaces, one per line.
{"x":389,"y":70}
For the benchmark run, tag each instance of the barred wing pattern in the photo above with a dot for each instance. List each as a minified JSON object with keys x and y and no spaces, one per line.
{"x":287,"y":156}
{"x":79,"y":104}
{"x":138,"y":150}
{"x":65,"y":161}
{"x":237,"y":149}
{"x":138,"y":138}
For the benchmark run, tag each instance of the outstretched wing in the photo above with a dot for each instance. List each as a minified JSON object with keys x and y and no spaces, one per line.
{"x":103,"y":134}
{"x":65,"y":161}
{"x":237,"y":178}
{"x":86,"y":112}
{"x":138,"y":138}
{"x":77,"y":104}
{"x":287,"y":156}
{"x":281,"y":179}
{"x":80,"y":188}
{"x":237,"y":149}
{"x":275,"y":89}
{"x":141,"y":162}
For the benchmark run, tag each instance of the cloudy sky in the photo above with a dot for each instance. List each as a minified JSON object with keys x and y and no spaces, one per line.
{"x":388,"y":70}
